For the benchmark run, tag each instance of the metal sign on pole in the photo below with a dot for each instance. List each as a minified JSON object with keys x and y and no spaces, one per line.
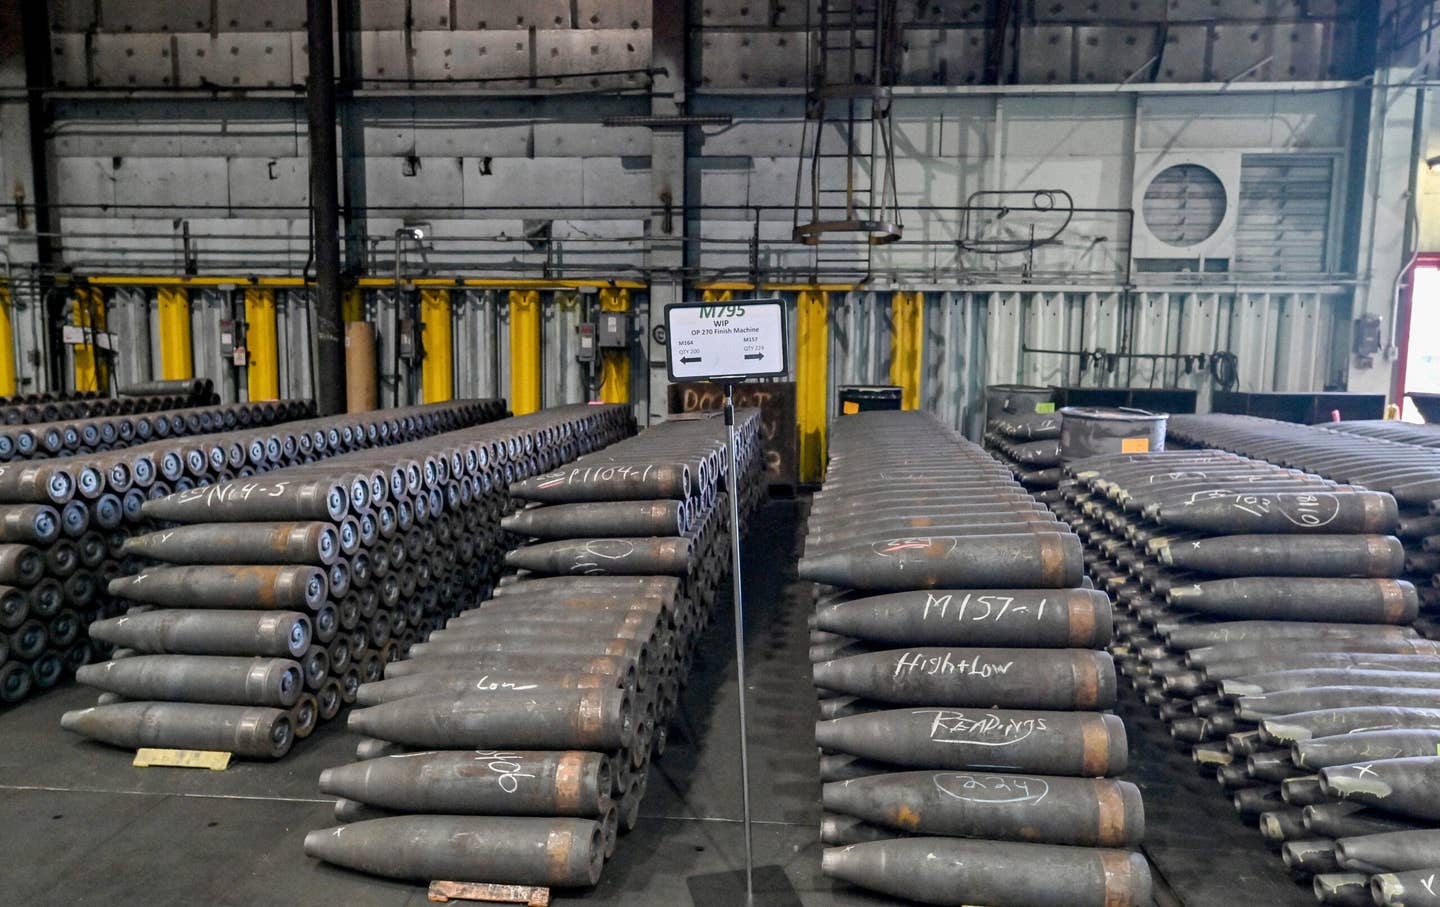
{"x":726,"y":343}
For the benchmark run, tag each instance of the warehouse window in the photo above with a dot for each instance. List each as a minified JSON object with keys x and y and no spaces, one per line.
{"x":1184,"y":205}
{"x":1283,"y":221}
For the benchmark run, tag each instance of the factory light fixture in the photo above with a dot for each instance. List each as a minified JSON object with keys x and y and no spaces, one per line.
{"x":1433,"y":162}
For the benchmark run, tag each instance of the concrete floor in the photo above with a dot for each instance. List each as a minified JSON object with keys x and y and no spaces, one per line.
{"x":1201,"y":853}
{"x":79,"y":825}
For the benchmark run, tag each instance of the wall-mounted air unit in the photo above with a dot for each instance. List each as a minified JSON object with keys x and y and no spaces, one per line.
{"x":1186,"y":208}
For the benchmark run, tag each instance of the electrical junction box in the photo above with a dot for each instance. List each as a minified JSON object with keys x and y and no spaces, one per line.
{"x":1367,"y":335}
{"x":613,"y":331}
{"x":585,"y":351}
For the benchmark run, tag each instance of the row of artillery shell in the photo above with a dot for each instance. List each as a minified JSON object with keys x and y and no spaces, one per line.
{"x":970,"y":759}
{"x":61,"y":529}
{"x":1330,"y":742}
{"x":106,"y":493}
{"x":299,"y":623}
{"x":527,"y":725}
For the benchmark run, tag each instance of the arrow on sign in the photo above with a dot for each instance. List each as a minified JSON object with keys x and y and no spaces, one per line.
{"x":690,"y":359}
{"x":754,"y":355}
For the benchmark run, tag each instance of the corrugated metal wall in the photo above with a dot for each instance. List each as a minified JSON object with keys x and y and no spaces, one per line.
{"x":976,"y":337}
{"x":971,"y":338}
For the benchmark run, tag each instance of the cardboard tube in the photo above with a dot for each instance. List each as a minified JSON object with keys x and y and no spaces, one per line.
{"x":361,"y":382}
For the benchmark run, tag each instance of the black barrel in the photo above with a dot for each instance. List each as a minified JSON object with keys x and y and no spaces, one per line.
{"x":864,"y":398}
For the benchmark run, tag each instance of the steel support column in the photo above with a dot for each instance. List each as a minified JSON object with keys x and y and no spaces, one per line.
{"x":25,"y":39}
{"x":329,"y":338}
{"x":352,"y":138}
{"x":666,"y":228}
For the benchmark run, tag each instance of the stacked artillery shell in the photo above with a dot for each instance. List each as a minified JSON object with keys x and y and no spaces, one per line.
{"x":68,"y":495}
{"x":534,"y":718}
{"x":967,"y":748}
{"x":278,"y":596}
{"x":1423,"y":435}
{"x":1266,"y":624}
{"x":1352,"y":733}
{"x":28,"y":409}
{"x":1402,"y":461}
{"x":1029,"y":443}
{"x":102,"y":434}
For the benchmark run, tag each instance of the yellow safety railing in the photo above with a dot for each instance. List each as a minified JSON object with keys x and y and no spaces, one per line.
{"x":261,"y":345}
{"x":743,"y":286}
{"x":615,"y":363}
{"x":907,"y":346}
{"x":437,"y":382}
{"x":498,"y":283}
{"x":524,"y":351}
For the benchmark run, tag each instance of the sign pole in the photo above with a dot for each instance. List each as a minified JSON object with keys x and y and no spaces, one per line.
{"x":735,"y":571}
{"x":729,"y":342}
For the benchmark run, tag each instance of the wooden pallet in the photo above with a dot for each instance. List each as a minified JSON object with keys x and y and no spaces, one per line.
{"x":215,"y":761}
{"x":440,"y":892}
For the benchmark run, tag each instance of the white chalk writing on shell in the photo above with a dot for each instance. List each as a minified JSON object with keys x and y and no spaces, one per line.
{"x":594,"y":474}
{"x":1307,"y":510}
{"x":485,"y":684}
{"x":979,"y":728}
{"x":1310,"y":509}
{"x":938,"y":546}
{"x":604,"y":549}
{"x":992,"y":789}
{"x":986,"y":607}
{"x":505,"y":766}
{"x":945,"y":665}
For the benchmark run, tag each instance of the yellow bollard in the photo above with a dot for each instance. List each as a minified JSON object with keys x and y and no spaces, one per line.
{"x":261,"y":345}
{"x":176,"y":359}
{"x":91,"y":372}
{"x":7,"y":343}
{"x":352,"y":305}
{"x":812,"y":380}
{"x":524,"y":351}
{"x":907,"y":346}
{"x":615,"y":363}
{"x":436,"y":329}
